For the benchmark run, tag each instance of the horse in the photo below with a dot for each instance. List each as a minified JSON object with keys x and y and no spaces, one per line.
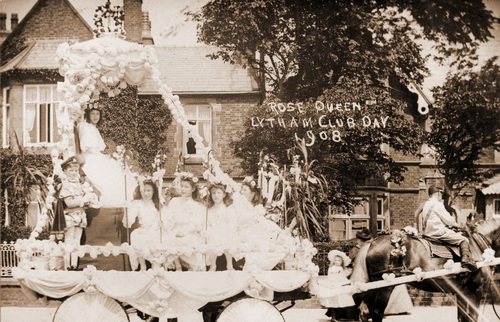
{"x":378,"y":260}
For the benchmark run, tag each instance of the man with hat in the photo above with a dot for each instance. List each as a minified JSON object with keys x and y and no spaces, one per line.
{"x":436,"y":221}
{"x":363,"y":237}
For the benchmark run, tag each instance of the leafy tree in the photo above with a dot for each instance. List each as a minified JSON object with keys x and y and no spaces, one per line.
{"x":465,"y":124}
{"x":303,"y":47}
{"x":340,"y":51}
{"x":348,"y":158}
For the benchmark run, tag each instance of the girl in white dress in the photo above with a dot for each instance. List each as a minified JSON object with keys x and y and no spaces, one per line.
{"x":338,"y":274}
{"x":146,"y":209}
{"x":105,"y":173}
{"x":221,"y":226}
{"x":183,"y":223}
{"x":255,"y":231}
{"x":251,"y":206}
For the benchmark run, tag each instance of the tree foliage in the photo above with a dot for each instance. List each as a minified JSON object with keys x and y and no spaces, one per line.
{"x":139,"y":124}
{"x":306,"y":46}
{"x":357,"y":158}
{"x":465,"y":123}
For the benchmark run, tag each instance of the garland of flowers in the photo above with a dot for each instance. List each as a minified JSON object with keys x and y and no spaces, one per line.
{"x":298,"y":253}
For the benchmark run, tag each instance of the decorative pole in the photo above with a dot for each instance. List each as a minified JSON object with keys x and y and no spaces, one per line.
{"x":285,"y":212}
{"x":125,"y":213}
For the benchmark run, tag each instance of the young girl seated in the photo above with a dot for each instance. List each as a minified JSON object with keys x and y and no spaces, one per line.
{"x":75,"y":198}
{"x":221,"y":226}
{"x":252,"y":210}
{"x":338,"y":274}
{"x":146,"y":209}
{"x":252,"y":221}
{"x":183,"y":222}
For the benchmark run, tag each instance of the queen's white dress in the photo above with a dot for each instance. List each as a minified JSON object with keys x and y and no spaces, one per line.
{"x":105,"y":173}
{"x":260,"y":239}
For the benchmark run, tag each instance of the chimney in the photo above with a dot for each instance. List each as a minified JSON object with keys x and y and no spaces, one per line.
{"x":3,"y":21}
{"x":132,"y":10}
{"x":13,"y":21}
{"x":147,"y":39}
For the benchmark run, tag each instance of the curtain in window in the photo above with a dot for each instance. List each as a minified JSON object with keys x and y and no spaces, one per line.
{"x":191,"y":112}
{"x":58,"y":115}
{"x":45,"y":94}
{"x":204,"y":113}
{"x":205,"y":132}
{"x":30,"y":113}
{"x":29,"y":122}
{"x":31,"y":94}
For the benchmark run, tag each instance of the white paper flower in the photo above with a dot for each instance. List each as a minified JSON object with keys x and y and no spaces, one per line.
{"x":488,"y":255}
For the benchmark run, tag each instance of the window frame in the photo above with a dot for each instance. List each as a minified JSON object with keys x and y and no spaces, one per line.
{"x":185,"y":131}
{"x":495,"y":200}
{"x":51,"y":130}
{"x":349,"y":233}
{"x":6,"y":119}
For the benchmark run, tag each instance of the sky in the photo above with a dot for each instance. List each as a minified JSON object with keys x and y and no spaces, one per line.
{"x":170,"y":25}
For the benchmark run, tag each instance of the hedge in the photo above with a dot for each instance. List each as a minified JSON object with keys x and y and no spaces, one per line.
{"x":321,"y":259}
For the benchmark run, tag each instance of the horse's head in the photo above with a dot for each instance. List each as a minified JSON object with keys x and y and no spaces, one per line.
{"x":490,"y":228}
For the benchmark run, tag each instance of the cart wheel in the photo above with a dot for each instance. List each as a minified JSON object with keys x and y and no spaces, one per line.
{"x":249,"y":310}
{"x":89,"y":308}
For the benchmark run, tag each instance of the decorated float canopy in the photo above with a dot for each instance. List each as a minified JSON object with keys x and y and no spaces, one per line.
{"x":107,"y":65}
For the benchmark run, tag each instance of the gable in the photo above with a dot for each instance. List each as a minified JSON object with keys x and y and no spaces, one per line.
{"x":48,"y":19}
{"x":38,"y":55}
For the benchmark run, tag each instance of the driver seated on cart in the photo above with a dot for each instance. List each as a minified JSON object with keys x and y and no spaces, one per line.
{"x":436,"y":222}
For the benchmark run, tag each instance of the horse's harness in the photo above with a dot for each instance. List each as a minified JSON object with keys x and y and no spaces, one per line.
{"x":397,"y":255}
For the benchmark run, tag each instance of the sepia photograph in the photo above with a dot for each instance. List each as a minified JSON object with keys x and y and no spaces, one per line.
{"x":250,"y":160}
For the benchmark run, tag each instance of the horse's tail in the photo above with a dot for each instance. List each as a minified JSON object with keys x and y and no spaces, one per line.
{"x":360,"y":271}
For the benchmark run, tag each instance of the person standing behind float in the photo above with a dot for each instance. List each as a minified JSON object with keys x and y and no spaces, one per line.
{"x":103,"y":171}
{"x":146,"y":209}
{"x":436,"y":220}
{"x":221,"y":225}
{"x":183,"y":223}
{"x":75,"y":198}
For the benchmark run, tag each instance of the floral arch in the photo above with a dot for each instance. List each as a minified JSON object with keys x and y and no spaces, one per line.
{"x":108,"y":64}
